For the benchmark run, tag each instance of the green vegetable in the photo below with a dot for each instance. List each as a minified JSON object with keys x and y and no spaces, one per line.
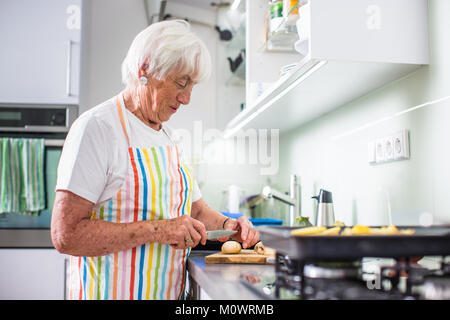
{"x":302,"y":222}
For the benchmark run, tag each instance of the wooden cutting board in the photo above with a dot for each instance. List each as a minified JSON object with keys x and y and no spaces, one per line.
{"x":245,"y":256}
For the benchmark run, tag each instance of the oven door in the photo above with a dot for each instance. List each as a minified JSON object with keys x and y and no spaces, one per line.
{"x":18,"y":230}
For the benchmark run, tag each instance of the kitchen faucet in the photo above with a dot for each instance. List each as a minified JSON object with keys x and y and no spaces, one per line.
{"x":293,"y":199}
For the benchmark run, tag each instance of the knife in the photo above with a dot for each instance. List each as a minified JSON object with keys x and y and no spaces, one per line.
{"x":214,"y":234}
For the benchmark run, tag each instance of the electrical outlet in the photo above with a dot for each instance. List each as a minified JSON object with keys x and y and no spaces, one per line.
{"x":401,"y":145}
{"x":389,"y":148}
{"x":371,"y":152}
{"x":379,"y":150}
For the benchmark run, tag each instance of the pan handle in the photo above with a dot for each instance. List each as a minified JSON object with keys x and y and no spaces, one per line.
{"x":274,"y":231}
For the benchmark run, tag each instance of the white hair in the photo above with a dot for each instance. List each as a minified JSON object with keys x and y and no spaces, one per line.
{"x":166,"y":47}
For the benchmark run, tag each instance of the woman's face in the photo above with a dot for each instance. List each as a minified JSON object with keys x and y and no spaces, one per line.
{"x":162,"y":98}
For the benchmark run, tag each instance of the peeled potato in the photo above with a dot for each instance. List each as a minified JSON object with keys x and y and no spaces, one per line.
{"x":360,"y":230}
{"x":231,"y":247}
{"x":307,"y":231}
{"x":388,"y":230}
{"x":383,"y":231}
{"x":329,"y":232}
{"x":259,"y":248}
{"x":346,"y":232}
{"x":407,"y":231}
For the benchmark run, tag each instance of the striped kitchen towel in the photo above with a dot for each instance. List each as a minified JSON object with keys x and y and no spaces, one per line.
{"x":22,"y":175}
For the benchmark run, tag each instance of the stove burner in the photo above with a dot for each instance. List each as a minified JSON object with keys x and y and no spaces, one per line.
{"x":435,"y":289}
{"x":368,"y":279}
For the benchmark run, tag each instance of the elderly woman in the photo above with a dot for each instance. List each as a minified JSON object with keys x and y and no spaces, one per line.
{"x":127,"y":207}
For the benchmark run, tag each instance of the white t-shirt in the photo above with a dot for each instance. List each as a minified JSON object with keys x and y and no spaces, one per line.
{"x":94,"y":159}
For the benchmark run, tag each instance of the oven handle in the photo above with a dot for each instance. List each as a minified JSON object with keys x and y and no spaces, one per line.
{"x":29,"y":128}
{"x":53,"y":142}
{"x":46,"y":128}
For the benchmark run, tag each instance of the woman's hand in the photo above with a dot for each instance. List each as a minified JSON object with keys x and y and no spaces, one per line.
{"x":181,"y":232}
{"x":246,"y":233}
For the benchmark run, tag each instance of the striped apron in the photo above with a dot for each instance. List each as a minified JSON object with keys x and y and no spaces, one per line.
{"x":158,"y":185}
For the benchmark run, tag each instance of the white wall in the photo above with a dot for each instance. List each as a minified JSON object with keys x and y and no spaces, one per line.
{"x":109,"y":26}
{"x":202,"y":106}
{"x":212,"y":105}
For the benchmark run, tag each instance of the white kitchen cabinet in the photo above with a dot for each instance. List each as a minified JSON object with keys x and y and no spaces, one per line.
{"x":350,"y":48}
{"x":40,"y":45}
{"x":32,"y":274}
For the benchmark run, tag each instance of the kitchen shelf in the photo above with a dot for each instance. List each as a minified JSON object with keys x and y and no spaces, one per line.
{"x":281,"y":42}
{"x":349,"y":54}
{"x":282,"y":39}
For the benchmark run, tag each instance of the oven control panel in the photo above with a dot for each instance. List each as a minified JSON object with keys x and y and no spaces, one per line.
{"x":37,"y":118}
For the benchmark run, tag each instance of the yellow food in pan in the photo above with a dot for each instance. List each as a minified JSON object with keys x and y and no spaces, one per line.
{"x":383,"y":231}
{"x":307,"y":231}
{"x":339,"y":224}
{"x":351,"y":231}
{"x":330,"y":232}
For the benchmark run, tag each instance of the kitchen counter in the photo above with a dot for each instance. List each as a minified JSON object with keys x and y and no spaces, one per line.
{"x":223,"y":281}
{"x":232,"y":281}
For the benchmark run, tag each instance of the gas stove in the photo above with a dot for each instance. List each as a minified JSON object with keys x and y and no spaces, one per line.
{"x":366,"y":267}
{"x":362,"y":279}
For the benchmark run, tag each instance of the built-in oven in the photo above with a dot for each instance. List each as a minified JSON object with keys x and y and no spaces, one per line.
{"x":50,"y":123}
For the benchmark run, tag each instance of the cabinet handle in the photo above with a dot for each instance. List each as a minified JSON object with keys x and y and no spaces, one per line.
{"x":68,"y":67}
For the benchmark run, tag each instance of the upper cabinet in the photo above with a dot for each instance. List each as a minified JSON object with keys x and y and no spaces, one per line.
{"x":40,"y":44}
{"x":342,"y":50}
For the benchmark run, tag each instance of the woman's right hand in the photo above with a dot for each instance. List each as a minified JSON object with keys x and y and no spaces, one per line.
{"x":181,"y":232}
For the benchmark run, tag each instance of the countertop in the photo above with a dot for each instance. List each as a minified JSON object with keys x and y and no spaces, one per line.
{"x":225,"y":281}
{"x":232,"y":281}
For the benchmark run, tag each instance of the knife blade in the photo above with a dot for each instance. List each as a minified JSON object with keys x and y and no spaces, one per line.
{"x":214,"y":234}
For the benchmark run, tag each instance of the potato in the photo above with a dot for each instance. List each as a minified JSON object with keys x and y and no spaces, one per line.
{"x":307,"y":231}
{"x":259,"y":248}
{"x":360,"y":230}
{"x":407,"y":231}
{"x":351,"y":231}
{"x":346,"y":232}
{"x":231,"y":247}
{"x":383,"y":231}
{"x":388,"y":230}
{"x":329,"y":232}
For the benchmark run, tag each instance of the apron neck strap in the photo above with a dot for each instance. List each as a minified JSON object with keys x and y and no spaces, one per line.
{"x":122,"y":118}
{"x":121,"y":111}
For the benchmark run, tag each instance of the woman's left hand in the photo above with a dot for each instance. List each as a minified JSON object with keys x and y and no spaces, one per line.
{"x":246,"y":233}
